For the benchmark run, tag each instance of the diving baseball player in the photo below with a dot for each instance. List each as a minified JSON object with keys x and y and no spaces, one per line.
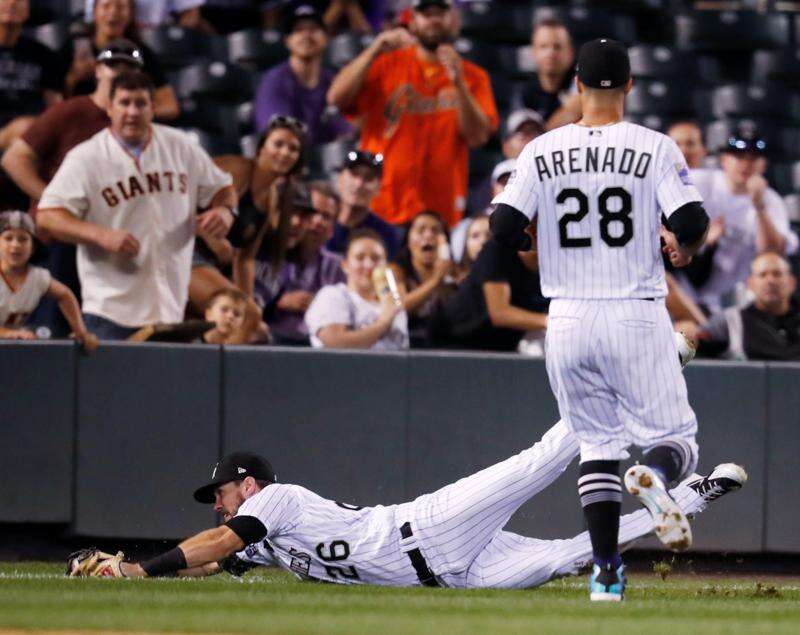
{"x":128,"y":196}
{"x":598,"y":190}
{"x":451,"y":538}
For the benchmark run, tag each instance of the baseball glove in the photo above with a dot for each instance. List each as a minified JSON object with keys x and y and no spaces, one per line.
{"x":93,"y":563}
{"x":686,"y":349}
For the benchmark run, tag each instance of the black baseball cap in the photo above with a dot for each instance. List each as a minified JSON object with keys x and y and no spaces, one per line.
{"x":301,"y":198}
{"x":121,"y":50}
{"x":604,"y":63}
{"x":235,"y":467}
{"x":745,"y":138}
{"x":301,"y":12}
{"x":355,"y":158}
{"x":419,"y":5}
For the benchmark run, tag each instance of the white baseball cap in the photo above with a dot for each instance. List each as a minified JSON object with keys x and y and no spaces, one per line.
{"x":502,"y":169}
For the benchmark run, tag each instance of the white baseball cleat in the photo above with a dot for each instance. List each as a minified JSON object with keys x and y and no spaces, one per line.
{"x":669,"y":521}
{"x":726,"y":477}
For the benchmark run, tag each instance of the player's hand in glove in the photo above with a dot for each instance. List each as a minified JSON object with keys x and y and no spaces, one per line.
{"x":686,"y":349}
{"x":93,"y":563}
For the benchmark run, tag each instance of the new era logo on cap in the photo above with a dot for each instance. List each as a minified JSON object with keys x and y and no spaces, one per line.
{"x":241,"y":470}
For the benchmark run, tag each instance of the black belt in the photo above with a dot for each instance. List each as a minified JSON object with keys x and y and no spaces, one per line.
{"x":424,"y":573}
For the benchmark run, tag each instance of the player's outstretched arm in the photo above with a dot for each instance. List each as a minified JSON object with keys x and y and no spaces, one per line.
{"x":207,"y":547}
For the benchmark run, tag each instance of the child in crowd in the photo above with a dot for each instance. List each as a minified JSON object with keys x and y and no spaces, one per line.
{"x":351,"y":315}
{"x":226,"y":309}
{"x":22,"y":285}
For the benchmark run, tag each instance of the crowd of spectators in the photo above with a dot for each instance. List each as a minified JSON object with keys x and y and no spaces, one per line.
{"x":371,"y":174}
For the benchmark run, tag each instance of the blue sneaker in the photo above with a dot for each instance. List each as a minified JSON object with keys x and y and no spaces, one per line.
{"x":607,"y":585}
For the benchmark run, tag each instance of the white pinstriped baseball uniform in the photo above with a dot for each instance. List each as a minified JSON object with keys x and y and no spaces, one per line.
{"x":458,"y":529}
{"x":598,"y":195}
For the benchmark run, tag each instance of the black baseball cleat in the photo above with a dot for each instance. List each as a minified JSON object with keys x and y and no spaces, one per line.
{"x":726,"y":477}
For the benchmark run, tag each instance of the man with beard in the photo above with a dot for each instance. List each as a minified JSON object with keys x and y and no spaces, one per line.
{"x":422,"y":107}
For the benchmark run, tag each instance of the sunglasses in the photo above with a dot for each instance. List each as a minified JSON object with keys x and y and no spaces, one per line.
{"x":362,"y":157}
{"x":285,"y":121}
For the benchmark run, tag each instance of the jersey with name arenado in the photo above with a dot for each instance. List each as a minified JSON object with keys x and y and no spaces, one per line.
{"x":598,"y":194}
{"x":320,"y":539}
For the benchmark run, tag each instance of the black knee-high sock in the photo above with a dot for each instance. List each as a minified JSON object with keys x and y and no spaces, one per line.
{"x":600,"y":489}
{"x":666,"y":460}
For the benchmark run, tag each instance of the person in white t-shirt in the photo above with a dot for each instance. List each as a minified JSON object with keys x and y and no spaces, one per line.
{"x":128,"y":197}
{"x":748,"y":218}
{"x":350,"y":315}
{"x":22,"y":286}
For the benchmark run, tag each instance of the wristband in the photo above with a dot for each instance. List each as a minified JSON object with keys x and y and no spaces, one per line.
{"x":166,"y":565}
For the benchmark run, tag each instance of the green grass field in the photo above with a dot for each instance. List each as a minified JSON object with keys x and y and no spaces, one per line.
{"x":37,"y":597}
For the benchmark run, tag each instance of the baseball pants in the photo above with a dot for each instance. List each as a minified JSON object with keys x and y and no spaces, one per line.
{"x":613,"y":367}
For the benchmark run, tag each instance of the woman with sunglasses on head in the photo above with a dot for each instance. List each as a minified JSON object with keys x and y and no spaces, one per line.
{"x":422,"y":268}
{"x":262,"y":230}
{"x":113,"y":20}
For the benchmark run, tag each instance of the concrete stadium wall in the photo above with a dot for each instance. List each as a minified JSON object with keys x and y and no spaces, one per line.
{"x":114,"y":444}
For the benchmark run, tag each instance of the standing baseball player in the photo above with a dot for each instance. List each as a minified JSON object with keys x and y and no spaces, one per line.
{"x":450,"y":538}
{"x":128,"y":198}
{"x":599,"y":190}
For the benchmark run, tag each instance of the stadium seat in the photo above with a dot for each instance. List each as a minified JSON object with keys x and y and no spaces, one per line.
{"x":777,"y":66}
{"x":215,"y":145}
{"x":654,"y":122}
{"x":244,"y":117}
{"x":757,"y":102}
{"x":53,"y":35}
{"x":216,"y":81}
{"x":588,"y":23}
{"x":248,"y":145}
{"x":512,"y":24}
{"x":660,"y":98}
{"x":478,"y":52}
{"x":730,"y":31}
{"x":661,"y":62}
{"x":516,"y":62}
{"x":793,"y":205}
{"x":328,"y":157}
{"x":343,"y":48}
{"x":211,"y":117}
{"x":482,"y":162}
{"x":256,"y":49}
{"x":177,"y":47}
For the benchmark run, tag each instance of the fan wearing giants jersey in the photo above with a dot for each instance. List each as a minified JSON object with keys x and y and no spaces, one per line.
{"x":605,"y":194}
{"x":453,"y":537}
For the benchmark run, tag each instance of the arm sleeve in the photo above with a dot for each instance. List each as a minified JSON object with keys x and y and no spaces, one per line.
{"x":674,"y":187}
{"x":42,"y":134}
{"x":522,"y":189}
{"x":330,"y":306}
{"x":43,"y":280}
{"x":69,"y":189}
{"x":249,"y":528}
{"x":779,"y":215}
{"x":272,"y":510}
{"x":210,"y":178}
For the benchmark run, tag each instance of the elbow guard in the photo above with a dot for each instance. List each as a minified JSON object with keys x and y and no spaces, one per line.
{"x":508,"y":228}
{"x":689,"y":223}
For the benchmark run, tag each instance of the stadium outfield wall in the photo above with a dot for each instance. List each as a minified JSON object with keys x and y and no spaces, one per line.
{"x":114,"y":444}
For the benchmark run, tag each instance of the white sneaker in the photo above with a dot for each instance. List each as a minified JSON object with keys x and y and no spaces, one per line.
{"x":669,"y":521}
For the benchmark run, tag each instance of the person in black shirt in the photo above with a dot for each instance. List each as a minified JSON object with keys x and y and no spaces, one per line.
{"x":31,"y":76}
{"x":500,"y":300}
{"x":551,"y":92}
{"x":769,"y":328}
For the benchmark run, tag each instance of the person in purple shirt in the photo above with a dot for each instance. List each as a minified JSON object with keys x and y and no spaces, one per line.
{"x":358,"y":181}
{"x":298,"y":86}
{"x":308,"y":268}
